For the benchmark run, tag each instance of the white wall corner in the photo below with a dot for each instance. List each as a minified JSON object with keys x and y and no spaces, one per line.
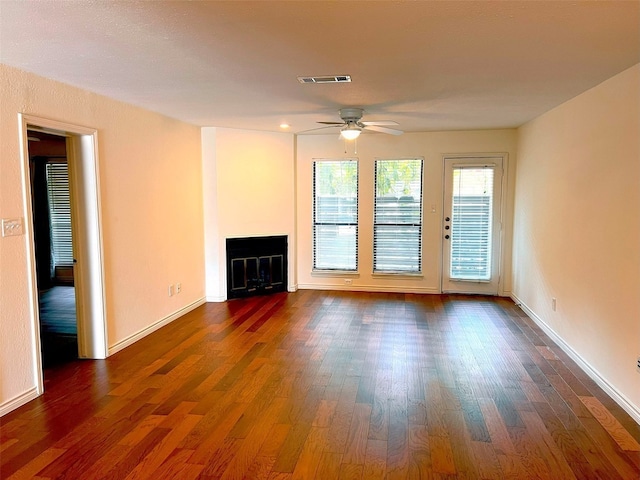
{"x":210,"y":210}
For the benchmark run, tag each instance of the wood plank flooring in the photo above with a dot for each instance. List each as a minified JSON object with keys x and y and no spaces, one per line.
{"x":327,"y":385}
{"x":58,"y":326}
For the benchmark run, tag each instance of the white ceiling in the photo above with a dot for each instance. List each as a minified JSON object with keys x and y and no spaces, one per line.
{"x":424,"y":64}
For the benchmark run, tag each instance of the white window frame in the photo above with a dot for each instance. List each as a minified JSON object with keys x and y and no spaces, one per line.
{"x":419,"y":225}
{"x":323,"y":268}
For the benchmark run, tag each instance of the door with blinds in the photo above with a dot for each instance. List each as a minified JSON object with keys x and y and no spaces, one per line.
{"x":471,"y":229}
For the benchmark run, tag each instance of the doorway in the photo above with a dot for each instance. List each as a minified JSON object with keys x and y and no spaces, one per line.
{"x":87,"y":267}
{"x":53,"y":242}
{"x":472,"y":225}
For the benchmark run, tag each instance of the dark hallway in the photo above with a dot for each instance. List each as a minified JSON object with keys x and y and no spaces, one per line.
{"x":54,"y":249}
{"x":58,"y":328}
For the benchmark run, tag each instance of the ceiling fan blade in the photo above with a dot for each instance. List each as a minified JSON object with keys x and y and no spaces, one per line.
{"x":319,"y":128}
{"x":390,"y":131}
{"x":331,"y":123}
{"x":381,"y":123}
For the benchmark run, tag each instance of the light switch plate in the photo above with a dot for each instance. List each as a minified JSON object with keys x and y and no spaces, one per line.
{"x":11,"y":227}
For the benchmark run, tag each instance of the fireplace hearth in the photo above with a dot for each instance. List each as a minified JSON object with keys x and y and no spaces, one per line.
{"x":256,"y":265}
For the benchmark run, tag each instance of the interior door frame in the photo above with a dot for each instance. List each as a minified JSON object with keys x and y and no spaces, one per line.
{"x":84,"y":183}
{"x":498,"y":222}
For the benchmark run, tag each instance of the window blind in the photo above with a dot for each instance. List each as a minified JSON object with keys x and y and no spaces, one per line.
{"x":471,"y":223}
{"x":59,"y":213}
{"x":335,"y":215}
{"x":397,"y":229}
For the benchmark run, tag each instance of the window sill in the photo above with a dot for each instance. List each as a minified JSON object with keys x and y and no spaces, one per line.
{"x":398,"y":274}
{"x":334,"y":273}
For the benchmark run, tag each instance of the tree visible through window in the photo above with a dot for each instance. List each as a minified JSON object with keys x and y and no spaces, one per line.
{"x":335,"y":215}
{"x":397,"y":229}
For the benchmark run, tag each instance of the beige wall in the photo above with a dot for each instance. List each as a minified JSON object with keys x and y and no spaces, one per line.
{"x":430,"y":146}
{"x":248,"y":191}
{"x":151,"y":191}
{"x":577,"y":227}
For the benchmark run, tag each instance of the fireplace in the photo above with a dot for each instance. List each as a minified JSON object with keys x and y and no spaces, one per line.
{"x":256,"y":265}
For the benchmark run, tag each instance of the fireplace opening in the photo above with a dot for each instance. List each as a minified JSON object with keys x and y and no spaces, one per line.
{"x":256,"y":265}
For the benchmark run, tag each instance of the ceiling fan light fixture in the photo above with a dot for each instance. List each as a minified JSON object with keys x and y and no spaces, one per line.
{"x":350,"y":132}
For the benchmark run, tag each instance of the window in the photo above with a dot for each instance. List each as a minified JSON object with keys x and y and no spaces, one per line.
{"x":471,"y":223}
{"x":397,"y":228}
{"x":335,"y":215}
{"x":59,"y":214}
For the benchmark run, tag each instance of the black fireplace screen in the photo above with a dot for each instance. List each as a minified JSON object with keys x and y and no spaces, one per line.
{"x":256,"y":265}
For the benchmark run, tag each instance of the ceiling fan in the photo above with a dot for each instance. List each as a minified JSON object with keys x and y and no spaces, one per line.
{"x":352,"y":124}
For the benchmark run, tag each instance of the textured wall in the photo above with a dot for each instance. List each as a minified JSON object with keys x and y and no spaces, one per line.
{"x":151,"y":189}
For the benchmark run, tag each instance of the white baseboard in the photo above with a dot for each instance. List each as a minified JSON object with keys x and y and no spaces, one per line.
{"x":216,"y":299}
{"x":154,"y":326}
{"x":368,"y":288}
{"x":18,"y":401}
{"x":620,"y":399}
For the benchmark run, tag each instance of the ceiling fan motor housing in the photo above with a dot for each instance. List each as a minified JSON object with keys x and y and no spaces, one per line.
{"x":351,"y":114}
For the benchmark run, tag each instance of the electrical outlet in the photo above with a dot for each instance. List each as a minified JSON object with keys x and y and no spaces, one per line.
{"x":348,"y":281}
{"x":178,"y":287}
{"x":553,"y":304}
{"x":171,"y":290}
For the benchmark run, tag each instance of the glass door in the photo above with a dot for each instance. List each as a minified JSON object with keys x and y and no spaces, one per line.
{"x":472,"y":225}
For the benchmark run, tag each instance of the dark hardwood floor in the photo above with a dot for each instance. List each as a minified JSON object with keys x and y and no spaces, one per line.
{"x":58,"y":326}
{"x":328,"y":385}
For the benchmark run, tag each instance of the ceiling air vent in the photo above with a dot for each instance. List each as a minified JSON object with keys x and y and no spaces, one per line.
{"x":326,"y":79}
